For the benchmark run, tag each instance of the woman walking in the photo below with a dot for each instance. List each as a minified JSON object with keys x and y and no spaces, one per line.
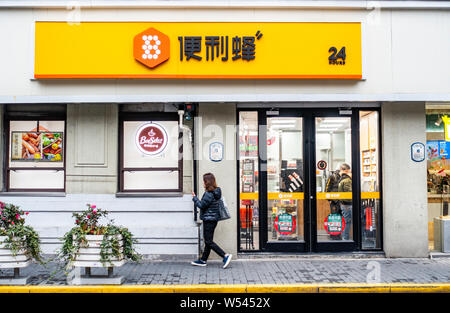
{"x":209,"y":214}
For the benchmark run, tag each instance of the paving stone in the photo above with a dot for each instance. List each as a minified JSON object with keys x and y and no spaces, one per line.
{"x":260,"y":271}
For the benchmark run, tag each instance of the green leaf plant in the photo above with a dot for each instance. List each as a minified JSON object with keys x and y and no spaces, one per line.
{"x":88,"y":223}
{"x":19,"y":237}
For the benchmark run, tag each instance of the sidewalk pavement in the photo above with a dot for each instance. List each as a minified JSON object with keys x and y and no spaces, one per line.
{"x":271,"y":271}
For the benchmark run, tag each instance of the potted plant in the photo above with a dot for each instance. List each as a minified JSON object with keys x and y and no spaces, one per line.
{"x":19,"y":243}
{"x":90,"y":244}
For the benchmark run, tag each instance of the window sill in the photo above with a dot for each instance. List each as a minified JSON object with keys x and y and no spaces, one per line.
{"x":148,"y":194}
{"x":32,"y":194}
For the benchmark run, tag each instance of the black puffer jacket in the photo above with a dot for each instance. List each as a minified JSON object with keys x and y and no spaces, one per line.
{"x":209,"y":205}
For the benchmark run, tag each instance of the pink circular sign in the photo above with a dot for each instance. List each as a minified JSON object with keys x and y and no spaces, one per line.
{"x":285,"y":224}
{"x":151,"y":139}
{"x":334,"y":224}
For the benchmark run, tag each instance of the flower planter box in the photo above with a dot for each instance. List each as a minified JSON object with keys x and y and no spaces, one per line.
{"x":9,"y":260}
{"x":89,"y":256}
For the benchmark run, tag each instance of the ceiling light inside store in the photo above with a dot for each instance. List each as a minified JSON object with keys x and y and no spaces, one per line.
{"x":321,"y":130}
{"x":330,"y":126}
{"x":335,"y":120}
{"x":283,"y":126}
{"x":278,"y":121}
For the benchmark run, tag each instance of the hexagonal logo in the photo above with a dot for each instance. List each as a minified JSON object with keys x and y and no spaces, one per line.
{"x":151,"y":47}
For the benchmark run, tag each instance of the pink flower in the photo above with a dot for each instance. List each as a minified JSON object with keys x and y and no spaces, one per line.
{"x":12,"y":223}
{"x":26,"y":213}
{"x":95,"y":211}
{"x":88,"y":216}
{"x":17,"y":216}
{"x":93,"y":206}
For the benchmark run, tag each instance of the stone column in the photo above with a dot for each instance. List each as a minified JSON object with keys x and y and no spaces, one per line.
{"x":405,"y":231}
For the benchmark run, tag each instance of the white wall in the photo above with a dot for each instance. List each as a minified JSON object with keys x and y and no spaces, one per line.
{"x":405,"y":56}
{"x":163,"y":226}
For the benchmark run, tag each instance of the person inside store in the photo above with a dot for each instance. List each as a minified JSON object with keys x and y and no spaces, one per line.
{"x":345,"y":185}
{"x":209,"y":214}
{"x":333,"y":186}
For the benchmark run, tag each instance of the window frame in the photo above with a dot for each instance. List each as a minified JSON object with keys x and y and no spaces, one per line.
{"x":149,"y":117}
{"x":32,"y":116}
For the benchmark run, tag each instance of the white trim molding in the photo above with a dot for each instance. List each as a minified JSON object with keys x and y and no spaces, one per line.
{"x":233,"y":98}
{"x":231,"y":4}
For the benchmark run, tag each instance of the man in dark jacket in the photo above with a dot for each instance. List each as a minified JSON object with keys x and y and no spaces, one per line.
{"x":345,"y":185}
{"x":209,"y":214}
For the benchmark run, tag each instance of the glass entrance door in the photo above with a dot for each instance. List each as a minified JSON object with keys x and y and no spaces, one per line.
{"x":285,"y":194}
{"x":333,"y":195}
{"x":282,"y":176}
{"x":300,"y":181}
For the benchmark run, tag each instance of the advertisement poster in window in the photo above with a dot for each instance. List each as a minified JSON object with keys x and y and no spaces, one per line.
{"x":285,"y":224}
{"x":37,"y":146}
{"x":334,"y":224}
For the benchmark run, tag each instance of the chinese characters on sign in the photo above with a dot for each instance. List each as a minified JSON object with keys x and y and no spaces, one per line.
{"x":334,"y":224}
{"x":218,"y":47}
{"x":285,"y":224}
{"x":36,"y":146}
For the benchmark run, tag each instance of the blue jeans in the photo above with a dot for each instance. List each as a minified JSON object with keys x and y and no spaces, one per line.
{"x":347,"y":214}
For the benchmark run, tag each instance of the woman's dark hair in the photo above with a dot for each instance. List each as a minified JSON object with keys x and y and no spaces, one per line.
{"x":210,"y":182}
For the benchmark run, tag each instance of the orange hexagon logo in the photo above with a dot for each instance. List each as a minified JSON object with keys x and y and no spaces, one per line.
{"x":151,"y":47}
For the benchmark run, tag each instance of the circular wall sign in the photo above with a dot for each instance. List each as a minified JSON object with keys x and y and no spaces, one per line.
{"x":151,"y":139}
{"x":285,"y":224}
{"x":334,"y":224}
{"x":321,"y":165}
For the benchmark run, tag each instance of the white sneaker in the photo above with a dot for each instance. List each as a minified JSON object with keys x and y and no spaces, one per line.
{"x":227,"y":260}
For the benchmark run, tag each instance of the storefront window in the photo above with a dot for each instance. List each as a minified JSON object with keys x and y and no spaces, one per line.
{"x":370,"y":178}
{"x":151,"y":155}
{"x":438,"y":168}
{"x":249,"y":189}
{"x":36,"y":155}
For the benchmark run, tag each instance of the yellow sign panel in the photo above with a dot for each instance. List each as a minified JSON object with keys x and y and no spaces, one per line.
{"x":285,"y":196}
{"x":198,"y":50}
{"x":249,"y":196}
{"x":370,"y":195}
{"x":300,"y":195}
{"x":334,"y":195}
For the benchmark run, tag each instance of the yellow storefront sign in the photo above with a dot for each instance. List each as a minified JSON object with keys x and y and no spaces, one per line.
{"x":219,"y":50}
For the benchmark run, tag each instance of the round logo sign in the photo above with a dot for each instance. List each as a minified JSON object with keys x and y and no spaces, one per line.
{"x":285,"y":224}
{"x":151,"y":139}
{"x":334,"y":224}
{"x":321,"y":165}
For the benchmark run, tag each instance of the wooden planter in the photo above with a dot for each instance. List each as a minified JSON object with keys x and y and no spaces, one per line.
{"x":9,"y":260}
{"x":89,"y":256}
